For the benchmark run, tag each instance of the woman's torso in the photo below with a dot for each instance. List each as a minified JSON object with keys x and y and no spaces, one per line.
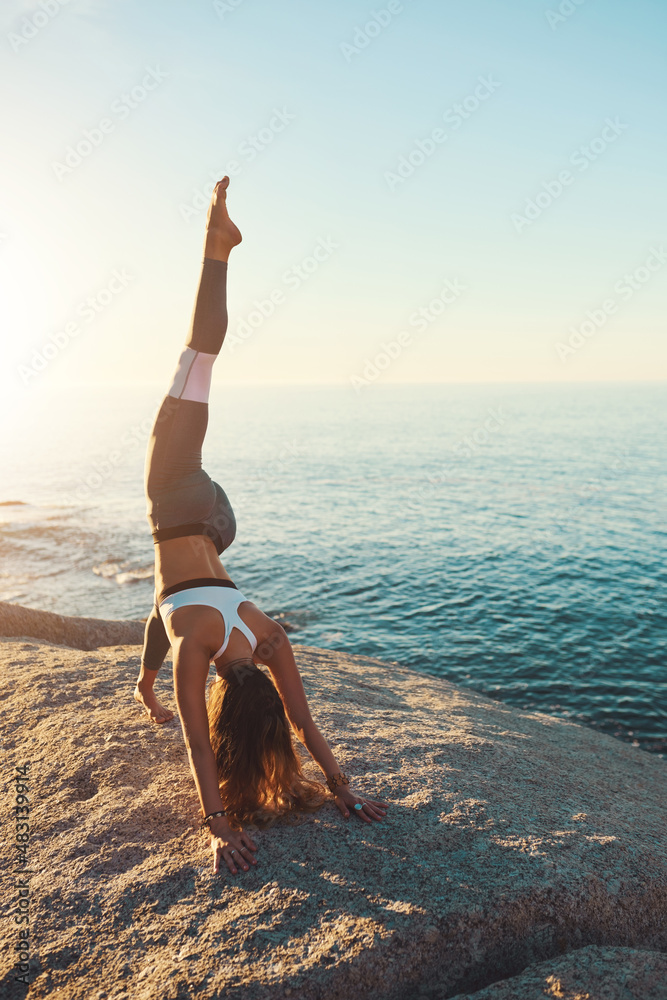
{"x":190,"y":558}
{"x":194,"y":557}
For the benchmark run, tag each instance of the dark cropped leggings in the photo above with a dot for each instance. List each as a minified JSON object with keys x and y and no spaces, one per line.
{"x":182,"y":499}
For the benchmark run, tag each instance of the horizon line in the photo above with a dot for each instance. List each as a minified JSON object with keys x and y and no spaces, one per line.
{"x":347,"y":384}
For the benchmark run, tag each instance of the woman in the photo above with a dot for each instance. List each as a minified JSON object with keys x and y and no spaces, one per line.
{"x":240,"y":749}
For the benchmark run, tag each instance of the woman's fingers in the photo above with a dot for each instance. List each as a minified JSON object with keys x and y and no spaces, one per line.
{"x":235,"y":857}
{"x":222,"y":855}
{"x":244,"y":856}
{"x":369,"y":812}
{"x":342,"y":806}
{"x":238,"y":858}
{"x":247,"y":842}
{"x":363,"y":815}
{"x":246,"y":846}
{"x":373,"y":812}
{"x":241,"y":852}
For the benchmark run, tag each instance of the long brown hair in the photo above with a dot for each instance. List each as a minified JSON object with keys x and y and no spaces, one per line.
{"x":259,"y":771}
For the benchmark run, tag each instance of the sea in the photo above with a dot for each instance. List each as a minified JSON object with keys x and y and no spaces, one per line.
{"x":509,"y":538}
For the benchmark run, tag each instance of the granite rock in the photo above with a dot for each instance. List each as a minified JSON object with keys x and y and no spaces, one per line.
{"x":513,"y":838}
{"x":79,"y":633}
{"x":591,"y":973}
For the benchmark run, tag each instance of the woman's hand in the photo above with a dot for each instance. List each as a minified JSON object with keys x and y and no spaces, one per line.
{"x":347,"y":801}
{"x":233,"y":847}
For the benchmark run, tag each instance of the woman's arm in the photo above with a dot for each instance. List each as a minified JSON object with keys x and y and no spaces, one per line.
{"x":191,"y":663}
{"x":278,"y":655}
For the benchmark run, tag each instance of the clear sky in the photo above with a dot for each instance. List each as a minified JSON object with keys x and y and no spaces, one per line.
{"x":459,"y":191}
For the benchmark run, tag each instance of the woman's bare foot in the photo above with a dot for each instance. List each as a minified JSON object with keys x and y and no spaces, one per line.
{"x":221,"y":233}
{"x":145,"y":695}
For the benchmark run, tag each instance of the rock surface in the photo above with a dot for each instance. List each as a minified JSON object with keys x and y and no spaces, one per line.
{"x":513,"y":838}
{"x":79,"y":633}
{"x":592,"y":973}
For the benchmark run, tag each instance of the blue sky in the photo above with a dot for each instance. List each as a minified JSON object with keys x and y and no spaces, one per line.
{"x":406,"y":141}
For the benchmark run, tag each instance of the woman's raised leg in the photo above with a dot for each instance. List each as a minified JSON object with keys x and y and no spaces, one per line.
{"x":175,"y":482}
{"x":173,"y":460}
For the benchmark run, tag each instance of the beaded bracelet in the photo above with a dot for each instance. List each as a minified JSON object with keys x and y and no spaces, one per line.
{"x":334,"y":780}
{"x":205,"y":820}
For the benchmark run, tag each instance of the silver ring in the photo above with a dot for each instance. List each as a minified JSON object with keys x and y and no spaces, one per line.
{"x":233,"y":851}
{"x":358,"y":805}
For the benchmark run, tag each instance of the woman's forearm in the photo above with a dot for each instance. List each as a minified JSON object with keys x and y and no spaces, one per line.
{"x":205,"y":773}
{"x":318,"y":748}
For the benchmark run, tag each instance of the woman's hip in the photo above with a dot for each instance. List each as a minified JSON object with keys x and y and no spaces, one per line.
{"x":197,"y":506}
{"x":191,"y":498}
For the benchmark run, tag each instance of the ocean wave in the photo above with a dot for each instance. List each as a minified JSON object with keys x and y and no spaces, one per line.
{"x":124,"y":572}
